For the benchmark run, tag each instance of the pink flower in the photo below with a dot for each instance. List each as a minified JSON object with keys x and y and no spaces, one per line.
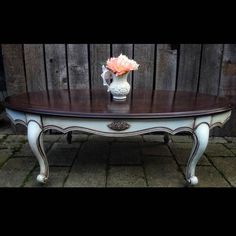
{"x":121,"y":65}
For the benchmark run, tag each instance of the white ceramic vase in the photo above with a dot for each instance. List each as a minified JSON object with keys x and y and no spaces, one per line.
{"x":119,"y":87}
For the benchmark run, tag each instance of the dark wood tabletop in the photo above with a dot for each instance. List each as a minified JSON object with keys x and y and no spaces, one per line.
{"x":99,"y":104}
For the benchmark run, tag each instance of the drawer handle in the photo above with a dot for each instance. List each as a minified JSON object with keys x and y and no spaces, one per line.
{"x":119,"y":125}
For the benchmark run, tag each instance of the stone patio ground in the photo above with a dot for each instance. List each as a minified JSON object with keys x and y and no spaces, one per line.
{"x":96,"y":161}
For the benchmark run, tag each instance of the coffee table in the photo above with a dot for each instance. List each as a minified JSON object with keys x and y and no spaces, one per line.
{"x":94,"y":111}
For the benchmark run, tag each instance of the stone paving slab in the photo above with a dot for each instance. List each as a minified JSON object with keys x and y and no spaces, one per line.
{"x":137,"y":138}
{"x":87,"y":175}
{"x":90,"y":165}
{"x":231,"y":139}
{"x":5,"y":154}
{"x":227,"y":166}
{"x":14,"y":171}
{"x":16,"y":138}
{"x":125,"y":153}
{"x":87,"y":171}
{"x":181,"y":138}
{"x":62,"y":154}
{"x":153,"y":138}
{"x":93,"y":150}
{"x":94,"y":137}
{"x":155,"y":149}
{"x":75,"y":138}
{"x":6,"y":131}
{"x":126,"y":176}
{"x":218,"y":150}
{"x":163,"y":172}
{"x":51,"y":138}
{"x":57,"y":177}
{"x":13,"y":142}
{"x":182,"y":157}
{"x":25,"y":150}
{"x":233,"y":151}
{"x":230,"y":145}
{"x":208,"y":176}
{"x":182,"y":152}
{"x":217,"y":140}
{"x":2,"y":136}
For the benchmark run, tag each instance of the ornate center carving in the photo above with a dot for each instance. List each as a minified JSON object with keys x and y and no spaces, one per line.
{"x":119,"y":125}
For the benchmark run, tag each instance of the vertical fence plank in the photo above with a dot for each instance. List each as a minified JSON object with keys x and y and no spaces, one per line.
{"x":99,"y":53}
{"x":125,"y":49}
{"x":188,"y":71}
{"x":228,"y":73}
{"x":166,"y":67}
{"x":78,"y":67}
{"x":14,"y":68}
{"x":56,"y":66}
{"x":3,"y":94}
{"x":34,"y":67}
{"x":228,"y":87}
{"x":144,"y":55}
{"x":210,"y":68}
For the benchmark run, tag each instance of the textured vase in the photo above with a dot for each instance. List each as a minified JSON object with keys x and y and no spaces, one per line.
{"x":119,"y":87}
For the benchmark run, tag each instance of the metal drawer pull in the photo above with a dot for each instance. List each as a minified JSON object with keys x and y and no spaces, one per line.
{"x":119,"y":125}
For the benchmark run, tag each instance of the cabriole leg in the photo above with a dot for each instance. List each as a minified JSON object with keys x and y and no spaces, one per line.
{"x":201,"y":137}
{"x":35,"y":140}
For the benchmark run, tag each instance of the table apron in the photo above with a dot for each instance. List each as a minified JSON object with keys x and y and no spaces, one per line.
{"x":119,"y":127}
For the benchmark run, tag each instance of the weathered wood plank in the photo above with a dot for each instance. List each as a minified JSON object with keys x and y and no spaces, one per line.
{"x":144,"y":55}
{"x":14,"y":68}
{"x":166,"y":67}
{"x":78,"y":67}
{"x":99,"y":53}
{"x":228,"y":73}
{"x":188,"y":71}
{"x":56,"y":66}
{"x":3,"y":95}
{"x":210,"y":68}
{"x":2,"y":83}
{"x":125,"y":49}
{"x":228,"y":87}
{"x":34,"y":67}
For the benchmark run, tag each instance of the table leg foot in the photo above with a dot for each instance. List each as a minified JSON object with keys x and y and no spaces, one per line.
{"x":193,"y":180}
{"x":201,"y":137}
{"x":35,"y":140}
{"x":42,"y":178}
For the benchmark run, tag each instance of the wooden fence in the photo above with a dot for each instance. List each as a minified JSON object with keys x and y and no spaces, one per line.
{"x":204,"y":68}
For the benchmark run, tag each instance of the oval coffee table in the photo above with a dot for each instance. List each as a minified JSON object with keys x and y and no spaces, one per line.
{"x":94,"y":111}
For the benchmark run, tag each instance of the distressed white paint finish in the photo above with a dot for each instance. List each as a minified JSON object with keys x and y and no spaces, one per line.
{"x":16,"y":116}
{"x":100,"y":126}
{"x":35,"y":134}
{"x":201,"y":137}
{"x":220,"y":119}
{"x":198,"y":126}
{"x":204,"y":119}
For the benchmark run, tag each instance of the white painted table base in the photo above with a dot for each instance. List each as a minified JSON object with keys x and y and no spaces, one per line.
{"x":198,"y":126}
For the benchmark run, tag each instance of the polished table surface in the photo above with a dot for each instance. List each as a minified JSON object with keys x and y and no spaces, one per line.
{"x":99,"y":104}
